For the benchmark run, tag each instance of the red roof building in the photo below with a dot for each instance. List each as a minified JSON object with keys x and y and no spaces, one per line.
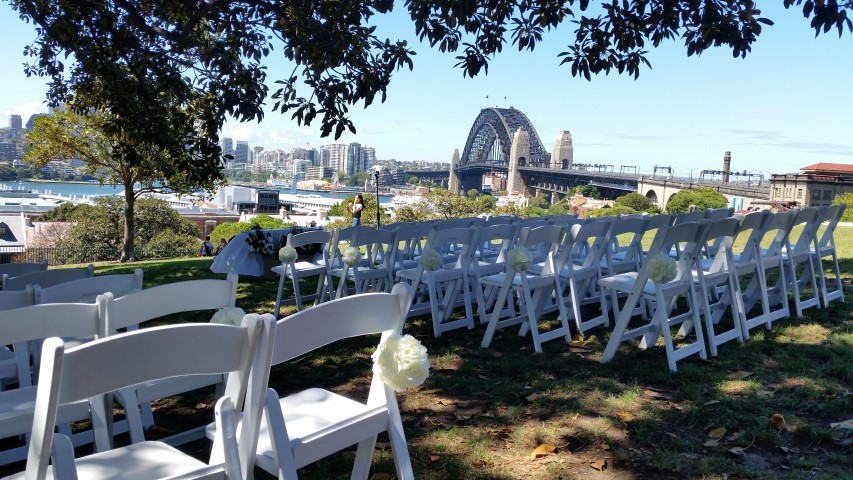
{"x":819,"y":184}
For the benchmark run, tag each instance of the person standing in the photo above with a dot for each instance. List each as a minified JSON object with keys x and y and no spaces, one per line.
{"x":356,"y":208}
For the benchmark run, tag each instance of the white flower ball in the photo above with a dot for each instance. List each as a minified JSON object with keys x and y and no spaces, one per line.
{"x":352,"y":256}
{"x":228,"y":316}
{"x":518,"y":259}
{"x":662,"y":268}
{"x":287,"y":254}
{"x":430,"y":260}
{"x":401,"y":362}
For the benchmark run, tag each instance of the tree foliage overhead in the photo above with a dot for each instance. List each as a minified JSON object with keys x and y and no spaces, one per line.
{"x":163,"y":66}
{"x":701,"y":198}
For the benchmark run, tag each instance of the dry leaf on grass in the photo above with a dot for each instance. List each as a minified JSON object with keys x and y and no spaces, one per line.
{"x":739,"y":374}
{"x":766,"y":393}
{"x":717,"y":433}
{"x":737,"y":451}
{"x":200,"y":406}
{"x":542,"y":450}
{"x":845,"y":425}
{"x":599,"y":465}
{"x":382,"y":476}
{"x":712,"y":402}
{"x":778,"y":421}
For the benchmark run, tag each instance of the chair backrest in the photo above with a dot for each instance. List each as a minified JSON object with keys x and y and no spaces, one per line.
{"x":832,"y":215}
{"x":339,"y":241}
{"x":314,"y":237}
{"x":380,"y":246}
{"x":20,"y":268}
{"x":588,"y":243}
{"x":775,"y":233}
{"x":721,"y":234}
{"x":10,"y":299}
{"x":412,"y":239}
{"x":132,"y":309}
{"x":542,"y":243}
{"x":109,"y":364}
{"x":86,"y":290}
{"x":494,"y":241}
{"x":693,"y":216}
{"x":719,"y":214}
{"x":455,"y":245}
{"x":686,"y":238}
{"x":47,"y":278}
{"x":749,"y":235}
{"x":808,"y":220}
{"x":345,"y":317}
{"x":37,"y":322}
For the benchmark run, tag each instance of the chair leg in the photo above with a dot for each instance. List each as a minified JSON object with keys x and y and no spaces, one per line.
{"x":297,"y":295}
{"x":363,"y":458}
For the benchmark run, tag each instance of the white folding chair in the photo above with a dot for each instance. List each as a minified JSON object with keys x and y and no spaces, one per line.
{"x":341,"y":238}
{"x":661,"y":296}
{"x":128,"y":311}
{"x":8,"y":270}
{"x":304,"y":427}
{"x":625,"y":251}
{"x":718,"y":284}
{"x":492,"y":244}
{"x":797,"y":257}
{"x":86,"y":290}
{"x":769,"y":248}
{"x":825,"y":247}
{"x":97,"y":368}
{"x":376,"y":269}
{"x":411,"y":238}
{"x":47,"y":278}
{"x":533,"y":289}
{"x":584,"y":248}
{"x":305,"y":269}
{"x":9,"y":356}
{"x":438,"y":291}
{"x":17,"y":406}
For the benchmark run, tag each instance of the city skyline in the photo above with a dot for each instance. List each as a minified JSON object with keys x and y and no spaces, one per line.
{"x":778,"y":110}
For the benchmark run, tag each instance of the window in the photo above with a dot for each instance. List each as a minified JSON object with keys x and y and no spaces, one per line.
{"x":799,"y":193}
{"x":827,"y":194}
{"x":787,"y":192}
{"x":816,"y":195}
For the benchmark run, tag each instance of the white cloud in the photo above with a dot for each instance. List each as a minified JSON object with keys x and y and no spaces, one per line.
{"x":25,"y":110}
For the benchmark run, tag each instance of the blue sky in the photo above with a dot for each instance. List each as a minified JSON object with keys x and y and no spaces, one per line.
{"x":785,"y":106}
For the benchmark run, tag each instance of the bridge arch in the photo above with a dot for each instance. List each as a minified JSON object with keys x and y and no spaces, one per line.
{"x":651,"y":195}
{"x":490,"y":139}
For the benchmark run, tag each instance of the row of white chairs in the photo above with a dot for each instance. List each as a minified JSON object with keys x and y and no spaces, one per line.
{"x":253,"y":426}
{"x":118,"y":310}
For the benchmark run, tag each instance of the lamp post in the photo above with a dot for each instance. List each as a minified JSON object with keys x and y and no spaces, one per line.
{"x":376,"y":182}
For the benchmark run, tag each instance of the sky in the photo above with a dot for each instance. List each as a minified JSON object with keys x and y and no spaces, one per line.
{"x":787,"y":105}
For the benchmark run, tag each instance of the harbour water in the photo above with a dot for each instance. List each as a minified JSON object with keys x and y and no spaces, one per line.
{"x":81,"y":190}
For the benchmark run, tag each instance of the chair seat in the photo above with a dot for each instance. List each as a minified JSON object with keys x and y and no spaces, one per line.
{"x":138,"y":461}
{"x":624,"y":282}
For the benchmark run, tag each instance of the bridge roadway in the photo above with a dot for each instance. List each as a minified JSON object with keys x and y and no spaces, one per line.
{"x":540,"y":180}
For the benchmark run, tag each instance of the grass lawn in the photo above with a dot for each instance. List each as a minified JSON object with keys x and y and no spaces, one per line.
{"x":762,"y":409}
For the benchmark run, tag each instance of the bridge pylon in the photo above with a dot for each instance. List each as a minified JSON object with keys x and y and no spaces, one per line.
{"x":518,"y":156}
{"x":564,"y":153}
{"x":453,"y":183}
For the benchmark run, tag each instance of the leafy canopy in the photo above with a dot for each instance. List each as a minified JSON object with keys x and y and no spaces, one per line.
{"x":171,"y":72}
{"x":702,"y":197}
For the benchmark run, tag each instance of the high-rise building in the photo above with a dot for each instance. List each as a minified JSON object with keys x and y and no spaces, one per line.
{"x":355,"y":159}
{"x":335,"y":156}
{"x":15,"y":123}
{"x":31,"y":121}
{"x":241,"y":152}
{"x":227,"y":145}
{"x":369,"y":157}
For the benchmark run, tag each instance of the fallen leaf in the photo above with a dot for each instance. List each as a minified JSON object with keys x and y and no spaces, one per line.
{"x":737,"y":450}
{"x":777,"y":421}
{"x":654,"y":394}
{"x":542,"y":450}
{"x":200,"y":406}
{"x":600,"y":466}
{"x":717,"y":433}
{"x":711,"y":443}
{"x":712,"y":402}
{"x":739,"y":374}
{"x":533,"y":397}
{"x":846,"y":425}
{"x":766,"y":393}
{"x":734,"y":436}
{"x":434,"y":458}
{"x":625,"y":416}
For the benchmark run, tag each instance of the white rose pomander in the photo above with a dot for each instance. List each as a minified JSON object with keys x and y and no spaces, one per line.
{"x":401,"y":362}
{"x":228,"y":316}
{"x":287,"y":254}
{"x":430,"y":260}
{"x":352,"y":256}
{"x":662,"y":268}
{"x":518,"y":259}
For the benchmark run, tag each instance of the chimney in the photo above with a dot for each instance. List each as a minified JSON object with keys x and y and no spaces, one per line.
{"x":727,"y":166}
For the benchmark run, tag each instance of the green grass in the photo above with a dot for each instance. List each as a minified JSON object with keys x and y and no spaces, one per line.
{"x":483,"y":411}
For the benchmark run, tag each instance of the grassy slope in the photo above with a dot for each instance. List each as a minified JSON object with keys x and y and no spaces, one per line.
{"x":483,"y":411}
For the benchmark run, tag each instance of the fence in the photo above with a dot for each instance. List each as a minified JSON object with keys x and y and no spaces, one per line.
{"x":65,"y":256}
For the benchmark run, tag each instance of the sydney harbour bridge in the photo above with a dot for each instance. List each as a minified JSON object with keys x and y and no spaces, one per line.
{"x":503,"y":143}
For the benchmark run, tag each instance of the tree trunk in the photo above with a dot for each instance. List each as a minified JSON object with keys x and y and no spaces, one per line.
{"x":128,"y":249}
